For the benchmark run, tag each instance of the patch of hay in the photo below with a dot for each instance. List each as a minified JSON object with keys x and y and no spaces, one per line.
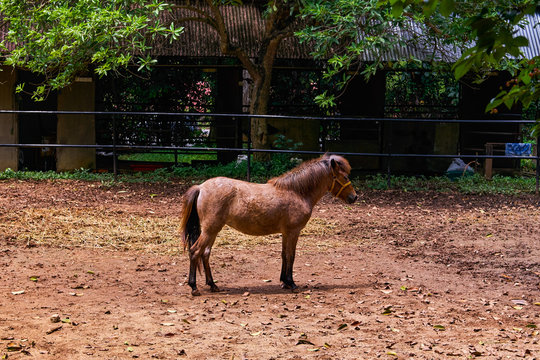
{"x":315,"y":228}
{"x":102,"y":228}
{"x":91,"y":228}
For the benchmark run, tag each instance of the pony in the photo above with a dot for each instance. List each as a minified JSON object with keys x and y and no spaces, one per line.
{"x":282,"y":205}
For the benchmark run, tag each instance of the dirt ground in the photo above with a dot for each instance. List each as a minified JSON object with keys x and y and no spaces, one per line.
{"x":89,"y":271}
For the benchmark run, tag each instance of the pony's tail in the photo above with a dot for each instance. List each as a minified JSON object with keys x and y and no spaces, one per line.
{"x":190,"y":226}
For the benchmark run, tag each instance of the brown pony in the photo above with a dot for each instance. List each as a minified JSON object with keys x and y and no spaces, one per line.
{"x":282,"y":205}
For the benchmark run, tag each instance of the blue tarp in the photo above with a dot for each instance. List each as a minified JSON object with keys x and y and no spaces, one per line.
{"x":518,"y":149}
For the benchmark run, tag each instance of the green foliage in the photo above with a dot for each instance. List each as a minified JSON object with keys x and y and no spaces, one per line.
{"x":350,"y":32}
{"x":64,"y":39}
{"x":493,"y":43}
{"x":166,"y":157}
{"x":421,"y":94}
{"x":356,"y":35}
{"x":79,"y":174}
{"x":344,"y":32}
{"x":475,"y":184}
{"x":282,"y":162}
{"x":261,"y":172}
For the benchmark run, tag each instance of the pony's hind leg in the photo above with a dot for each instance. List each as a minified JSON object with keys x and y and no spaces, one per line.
{"x":206,"y":263}
{"x":200,"y":251}
{"x":192,"y":280}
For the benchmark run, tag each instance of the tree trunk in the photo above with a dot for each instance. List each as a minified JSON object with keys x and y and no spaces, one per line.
{"x":278,"y":25}
{"x":260,"y":97}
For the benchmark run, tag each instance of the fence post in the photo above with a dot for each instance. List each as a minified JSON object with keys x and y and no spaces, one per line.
{"x":488,"y":164}
{"x":115,"y":167}
{"x":388,"y":172}
{"x":249,"y":150}
{"x":537,"y":164}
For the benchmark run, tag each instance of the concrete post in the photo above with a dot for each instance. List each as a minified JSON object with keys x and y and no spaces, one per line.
{"x":9,"y":133}
{"x":445,"y":142}
{"x":76,"y":129}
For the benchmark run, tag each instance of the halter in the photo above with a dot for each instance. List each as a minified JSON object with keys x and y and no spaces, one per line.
{"x":343,"y":186}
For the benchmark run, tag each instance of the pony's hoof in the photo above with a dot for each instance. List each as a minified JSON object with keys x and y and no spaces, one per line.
{"x":292,"y":286}
{"x":195,"y":292}
{"x":214,"y":289}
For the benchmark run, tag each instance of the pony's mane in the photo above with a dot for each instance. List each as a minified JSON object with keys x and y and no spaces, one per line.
{"x":304,"y":178}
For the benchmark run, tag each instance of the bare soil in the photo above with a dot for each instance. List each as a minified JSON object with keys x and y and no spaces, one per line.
{"x":397,"y":275}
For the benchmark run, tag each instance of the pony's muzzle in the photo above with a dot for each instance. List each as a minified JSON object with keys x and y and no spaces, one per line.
{"x":352,"y":198}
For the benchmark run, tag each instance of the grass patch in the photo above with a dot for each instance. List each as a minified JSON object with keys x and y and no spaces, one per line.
{"x":475,"y":184}
{"x":262,"y":171}
{"x":167,"y":157}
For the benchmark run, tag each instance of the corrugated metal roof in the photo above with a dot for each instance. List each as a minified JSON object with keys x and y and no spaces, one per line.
{"x":245,"y":25}
{"x":532,"y":32}
{"x":3,"y":30}
{"x":412,"y":43}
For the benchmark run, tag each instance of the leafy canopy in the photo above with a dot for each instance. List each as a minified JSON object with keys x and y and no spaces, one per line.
{"x":361,"y":36}
{"x":62,"y":39}
{"x":494,"y":42}
{"x":482,"y":35}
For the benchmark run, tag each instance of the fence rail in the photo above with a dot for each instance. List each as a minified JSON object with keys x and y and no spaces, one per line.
{"x":248,"y":149}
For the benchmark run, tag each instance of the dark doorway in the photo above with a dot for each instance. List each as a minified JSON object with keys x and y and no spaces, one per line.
{"x":36,"y":128}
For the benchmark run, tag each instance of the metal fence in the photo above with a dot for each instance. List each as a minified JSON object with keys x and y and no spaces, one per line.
{"x":245,"y":147}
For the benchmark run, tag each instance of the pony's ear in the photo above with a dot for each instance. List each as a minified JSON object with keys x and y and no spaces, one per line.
{"x":333,"y":164}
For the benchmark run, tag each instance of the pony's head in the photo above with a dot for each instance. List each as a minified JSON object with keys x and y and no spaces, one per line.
{"x":341,"y":185}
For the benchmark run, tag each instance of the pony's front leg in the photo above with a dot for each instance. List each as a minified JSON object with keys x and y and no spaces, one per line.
{"x":288,"y":250}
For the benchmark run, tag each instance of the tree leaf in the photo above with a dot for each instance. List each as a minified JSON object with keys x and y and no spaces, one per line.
{"x":462,"y":67}
{"x":520,"y":41}
{"x":387,"y":310}
{"x":447,"y":6}
{"x":11,"y":347}
{"x":54,"y":329}
{"x":397,"y":9}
